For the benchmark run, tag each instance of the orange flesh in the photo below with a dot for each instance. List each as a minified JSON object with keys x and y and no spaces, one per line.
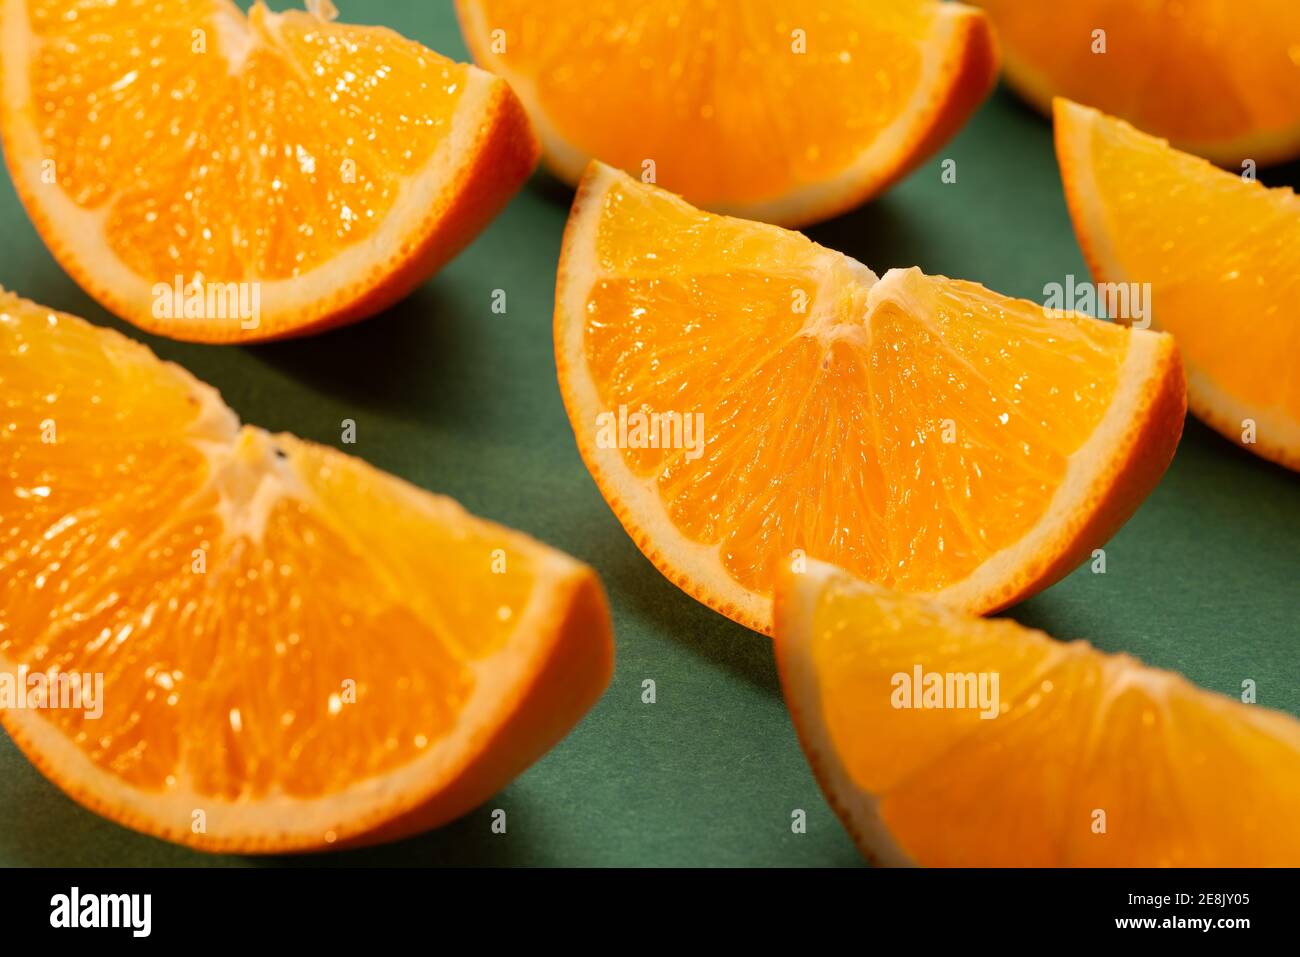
{"x":158,"y":112}
{"x":1183,"y":776}
{"x":1196,"y":71}
{"x":229,"y":680}
{"x":1222,"y":256}
{"x":726,"y":108}
{"x":825,"y":429}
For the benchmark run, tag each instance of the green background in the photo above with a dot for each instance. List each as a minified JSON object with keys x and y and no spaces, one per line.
{"x":1203,"y":580}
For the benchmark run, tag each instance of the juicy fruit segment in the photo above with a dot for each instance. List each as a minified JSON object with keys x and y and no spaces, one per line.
{"x":282,"y":119}
{"x":1240,"y":68}
{"x":279,"y":626}
{"x":584,"y":74}
{"x":187,"y":139}
{"x":909,"y":428}
{"x":1071,"y":731}
{"x":1222,"y":255}
{"x":741,"y":106}
{"x":837,"y":386}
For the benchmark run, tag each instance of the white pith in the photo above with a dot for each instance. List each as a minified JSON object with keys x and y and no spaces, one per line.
{"x":803,"y":204}
{"x":1145,"y":361}
{"x":336,"y":284}
{"x":235,"y":39}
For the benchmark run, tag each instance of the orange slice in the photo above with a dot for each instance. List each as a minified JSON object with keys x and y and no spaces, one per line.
{"x":291,"y":648}
{"x":1222,"y":257}
{"x":946,"y":740}
{"x":1219,"y":79}
{"x":219,"y":177}
{"x":923,"y":432}
{"x":788,"y":111}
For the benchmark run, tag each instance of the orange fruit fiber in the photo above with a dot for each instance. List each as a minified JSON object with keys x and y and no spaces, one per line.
{"x":788,"y":111}
{"x":922,"y":432}
{"x":1221,"y":258}
{"x":328,"y":168}
{"x":304,"y":649}
{"x":1219,"y":78}
{"x":946,"y":740}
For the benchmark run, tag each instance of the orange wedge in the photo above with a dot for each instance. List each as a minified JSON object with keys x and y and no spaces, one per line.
{"x":219,"y":177}
{"x":789,"y":111}
{"x":745,"y":398}
{"x":286,"y":648}
{"x":946,"y":740}
{"x":1219,"y":79}
{"x":1222,"y":257}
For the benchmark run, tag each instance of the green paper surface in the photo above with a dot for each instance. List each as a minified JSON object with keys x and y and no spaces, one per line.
{"x":1204,"y":580}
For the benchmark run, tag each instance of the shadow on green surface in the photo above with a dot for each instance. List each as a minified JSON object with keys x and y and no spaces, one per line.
{"x":547,"y":187}
{"x":467,"y":841}
{"x":1228,"y":456}
{"x":716,"y":639}
{"x":392,"y":363}
{"x":879,"y":235}
{"x":1205,"y":482}
{"x":906,"y":226}
{"x":45,"y":816}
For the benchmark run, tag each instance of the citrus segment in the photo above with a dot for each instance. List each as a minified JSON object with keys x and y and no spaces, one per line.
{"x":185,"y":145}
{"x":1221,"y":255}
{"x":946,"y":740}
{"x":301,"y":647}
{"x":744,"y":397}
{"x":1220,"y":80}
{"x":781,"y":111}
